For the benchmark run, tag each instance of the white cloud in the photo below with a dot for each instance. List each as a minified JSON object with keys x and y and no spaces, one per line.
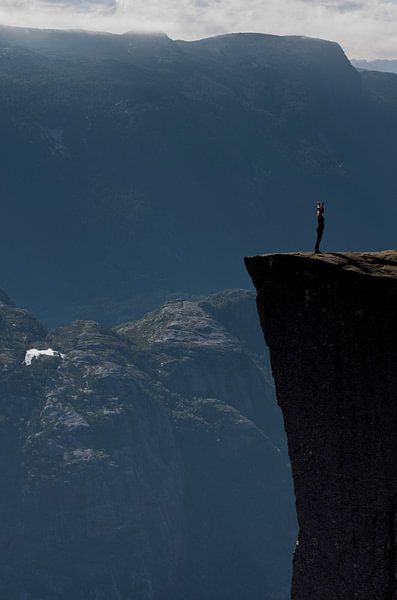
{"x":365,"y":28}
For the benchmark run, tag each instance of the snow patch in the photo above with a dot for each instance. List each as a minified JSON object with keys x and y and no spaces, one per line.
{"x":35,"y":353}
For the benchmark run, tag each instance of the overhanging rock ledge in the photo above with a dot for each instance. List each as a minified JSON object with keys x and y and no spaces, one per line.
{"x":331,"y":326}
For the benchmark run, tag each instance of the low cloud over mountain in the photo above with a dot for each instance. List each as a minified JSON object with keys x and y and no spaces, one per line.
{"x":365,"y":28}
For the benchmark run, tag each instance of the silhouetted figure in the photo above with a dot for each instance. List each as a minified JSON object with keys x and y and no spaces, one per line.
{"x":320,"y":226}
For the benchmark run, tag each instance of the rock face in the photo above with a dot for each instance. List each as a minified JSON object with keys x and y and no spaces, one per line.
{"x":211,"y":349}
{"x":330,"y":322}
{"x":134,"y":466}
{"x":91,"y":470}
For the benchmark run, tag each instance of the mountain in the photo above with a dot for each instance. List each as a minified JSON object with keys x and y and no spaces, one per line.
{"x":330,"y":322}
{"x":145,"y":461}
{"x":135,"y":168}
{"x":384,"y":65}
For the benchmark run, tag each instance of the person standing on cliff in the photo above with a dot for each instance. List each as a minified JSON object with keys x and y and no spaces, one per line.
{"x":320,"y":226}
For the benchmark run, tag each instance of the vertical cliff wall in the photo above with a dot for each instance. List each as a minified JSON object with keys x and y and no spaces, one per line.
{"x":330,"y":322}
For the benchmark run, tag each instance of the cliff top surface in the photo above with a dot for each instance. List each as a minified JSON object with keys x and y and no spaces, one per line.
{"x":375,"y":264}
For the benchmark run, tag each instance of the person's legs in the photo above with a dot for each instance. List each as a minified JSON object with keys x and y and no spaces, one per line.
{"x":318,"y":241}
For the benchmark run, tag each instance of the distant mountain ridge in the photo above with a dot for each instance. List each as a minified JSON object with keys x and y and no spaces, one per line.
{"x":384,"y":65}
{"x":84,"y":44}
{"x":135,"y":168}
{"x":99,"y":45}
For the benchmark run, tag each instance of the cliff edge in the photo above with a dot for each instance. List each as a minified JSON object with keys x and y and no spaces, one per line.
{"x":330,"y":322}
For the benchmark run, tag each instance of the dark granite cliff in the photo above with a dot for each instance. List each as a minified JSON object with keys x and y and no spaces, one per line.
{"x":330,"y":322}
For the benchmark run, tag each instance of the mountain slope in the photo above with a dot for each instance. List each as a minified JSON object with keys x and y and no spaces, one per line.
{"x":136,"y":167}
{"x":123,"y":480}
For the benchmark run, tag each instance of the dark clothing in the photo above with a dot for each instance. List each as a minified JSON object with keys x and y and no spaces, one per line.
{"x":320,"y":231}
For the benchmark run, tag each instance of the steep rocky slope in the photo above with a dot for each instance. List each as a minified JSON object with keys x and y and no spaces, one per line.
{"x":330,"y":322}
{"x":135,"y":467}
{"x":196,"y":350}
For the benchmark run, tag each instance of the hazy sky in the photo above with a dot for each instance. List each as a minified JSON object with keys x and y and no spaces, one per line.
{"x":365,"y":28}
